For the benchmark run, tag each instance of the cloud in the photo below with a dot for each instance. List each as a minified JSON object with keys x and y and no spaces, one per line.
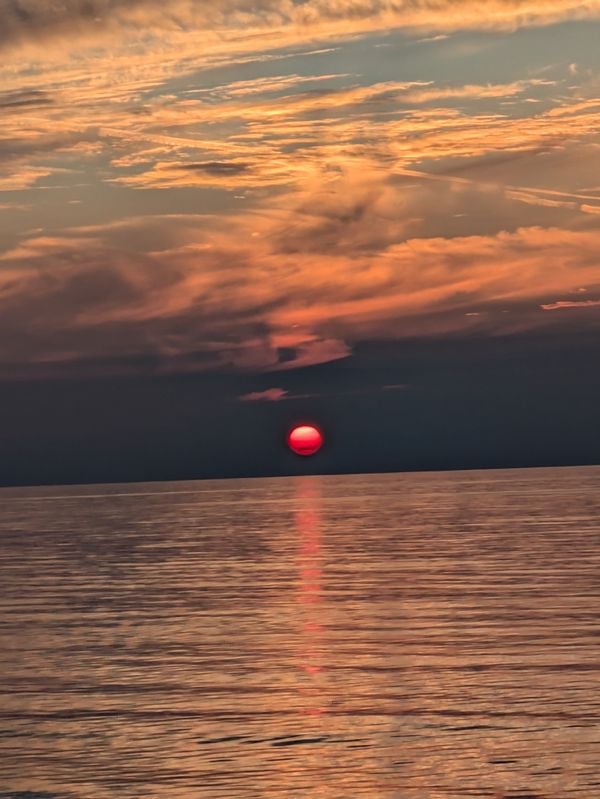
{"x":210,"y":295}
{"x":14,"y":207}
{"x":22,"y":178}
{"x":243,"y":135}
{"x":262,"y":86}
{"x":37,"y":19}
{"x":277,"y":394}
{"x":531,"y":198}
{"x":22,"y":98}
{"x":269,"y":395}
{"x":216,"y":168}
{"x":41,"y":144}
{"x":79,"y":298}
{"x":311,"y":351}
{"x":24,"y":159}
{"x":560,"y":304}
{"x":279,"y":141}
{"x":473,"y":91}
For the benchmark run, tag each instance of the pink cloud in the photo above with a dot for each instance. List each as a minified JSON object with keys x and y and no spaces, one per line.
{"x":269,"y":395}
{"x":556,"y":306}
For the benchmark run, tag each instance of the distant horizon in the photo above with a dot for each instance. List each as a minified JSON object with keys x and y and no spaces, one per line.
{"x":309,"y":474}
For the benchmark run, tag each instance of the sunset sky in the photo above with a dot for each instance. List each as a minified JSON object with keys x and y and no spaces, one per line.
{"x":221,"y":216}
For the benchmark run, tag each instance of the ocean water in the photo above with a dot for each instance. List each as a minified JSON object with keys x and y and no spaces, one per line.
{"x":408,"y":636}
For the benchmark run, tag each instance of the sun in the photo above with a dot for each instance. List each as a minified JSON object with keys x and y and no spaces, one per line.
{"x":305,"y":439}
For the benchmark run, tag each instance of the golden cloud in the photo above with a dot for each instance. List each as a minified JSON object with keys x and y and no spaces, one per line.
{"x":280,"y":21}
{"x":290,"y":296}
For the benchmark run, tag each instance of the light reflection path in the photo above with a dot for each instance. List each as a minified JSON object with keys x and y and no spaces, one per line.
{"x":314,"y":764}
{"x":310,"y":587}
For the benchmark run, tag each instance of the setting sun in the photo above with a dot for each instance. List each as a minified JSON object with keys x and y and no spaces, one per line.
{"x":305,"y":440}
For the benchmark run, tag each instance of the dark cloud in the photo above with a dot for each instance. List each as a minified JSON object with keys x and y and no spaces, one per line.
{"x":286,"y":354}
{"x":93,"y":296}
{"x":84,"y":311}
{"x":28,"y":795}
{"x":12,"y":148}
{"x":39,"y":19}
{"x":24,"y":97}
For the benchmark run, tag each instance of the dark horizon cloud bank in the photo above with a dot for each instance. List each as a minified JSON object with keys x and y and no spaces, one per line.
{"x":466,"y":404}
{"x":258,"y":200}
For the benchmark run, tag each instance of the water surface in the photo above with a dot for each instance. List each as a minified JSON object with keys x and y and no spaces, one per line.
{"x":425,"y":636}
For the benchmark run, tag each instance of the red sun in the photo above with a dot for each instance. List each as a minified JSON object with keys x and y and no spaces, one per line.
{"x":305,"y":439}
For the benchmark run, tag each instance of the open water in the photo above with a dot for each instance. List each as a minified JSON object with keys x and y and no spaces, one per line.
{"x":407,"y":636}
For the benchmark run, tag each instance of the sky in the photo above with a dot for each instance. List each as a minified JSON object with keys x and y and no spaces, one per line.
{"x":221,"y":217}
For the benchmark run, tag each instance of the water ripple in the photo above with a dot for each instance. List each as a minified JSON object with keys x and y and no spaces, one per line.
{"x":429,"y":636}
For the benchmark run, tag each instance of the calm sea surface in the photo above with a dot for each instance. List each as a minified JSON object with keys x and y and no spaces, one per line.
{"x":424,"y":636}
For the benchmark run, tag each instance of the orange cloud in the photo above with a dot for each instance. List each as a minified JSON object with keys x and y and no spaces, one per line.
{"x":281,"y":19}
{"x":474,"y":91}
{"x":216,"y":296}
{"x":590,"y":209}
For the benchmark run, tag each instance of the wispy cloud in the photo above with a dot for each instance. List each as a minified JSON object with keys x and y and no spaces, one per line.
{"x":560,"y":304}
{"x":268,"y":395}
{"x":309,"y":19}
{"x":224,"y":298}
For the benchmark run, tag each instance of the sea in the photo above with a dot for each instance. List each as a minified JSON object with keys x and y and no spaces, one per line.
{"x":395,"y":636}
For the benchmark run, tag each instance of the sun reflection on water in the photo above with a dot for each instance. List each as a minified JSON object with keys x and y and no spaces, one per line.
{"x":311,"y":610}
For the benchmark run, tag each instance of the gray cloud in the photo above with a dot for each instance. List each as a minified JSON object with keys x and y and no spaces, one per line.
{"x":78,"y":304}
{"x":24,"y":97}
{"x":12,"y":148}
{"x":39,"y":18}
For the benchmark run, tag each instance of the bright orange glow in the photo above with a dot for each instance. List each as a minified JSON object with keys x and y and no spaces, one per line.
{"x":305,"y":440}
